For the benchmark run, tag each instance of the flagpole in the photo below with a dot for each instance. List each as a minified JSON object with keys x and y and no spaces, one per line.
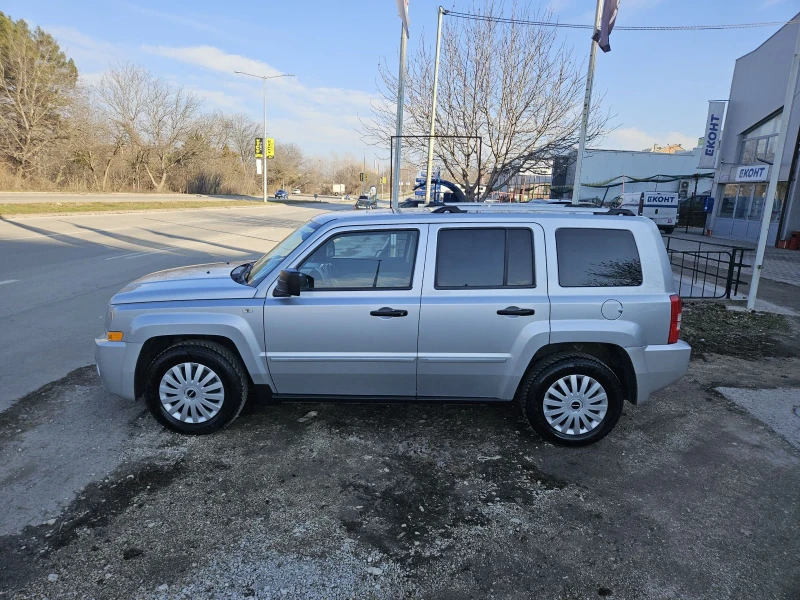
{"x":769,"y":201}
{"x":587,"y":101}
{"x":401,"y":89}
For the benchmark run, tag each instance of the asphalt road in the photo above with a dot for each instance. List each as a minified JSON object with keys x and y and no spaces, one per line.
{"x":58,"y":273}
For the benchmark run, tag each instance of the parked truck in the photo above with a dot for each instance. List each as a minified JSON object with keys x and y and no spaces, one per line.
{"x":661,"y":207}
{"x":338,"y":189}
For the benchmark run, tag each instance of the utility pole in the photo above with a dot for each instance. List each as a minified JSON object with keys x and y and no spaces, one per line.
{"x":587,"y":102}
{"x":433,"y":106}
{"x":264,"y":145}
{"x":774,"y":173}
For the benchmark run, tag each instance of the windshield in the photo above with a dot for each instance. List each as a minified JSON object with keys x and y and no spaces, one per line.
{"x":264,"y":265}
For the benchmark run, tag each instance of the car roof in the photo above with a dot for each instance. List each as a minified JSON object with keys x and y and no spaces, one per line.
{"x":423,"y":215}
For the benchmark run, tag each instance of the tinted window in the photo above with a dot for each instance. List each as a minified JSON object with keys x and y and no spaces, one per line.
{"x":597,"y":258}
{"x":364,"y":260}
{"x":484,"y":258}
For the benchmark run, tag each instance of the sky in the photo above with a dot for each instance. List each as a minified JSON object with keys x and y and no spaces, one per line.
{"x":655,"y":84}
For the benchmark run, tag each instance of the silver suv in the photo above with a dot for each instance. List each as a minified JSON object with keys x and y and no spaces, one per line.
{"x":566,"y":311}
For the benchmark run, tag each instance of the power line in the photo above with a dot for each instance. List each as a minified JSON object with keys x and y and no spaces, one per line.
{"x":510,"y":21}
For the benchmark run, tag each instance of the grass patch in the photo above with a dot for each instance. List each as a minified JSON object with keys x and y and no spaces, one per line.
{"x":39,"y":208}
{"x":711,"y":327}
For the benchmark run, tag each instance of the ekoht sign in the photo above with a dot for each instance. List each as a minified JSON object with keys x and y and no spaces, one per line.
{"x":752,"y":173}
{"x":665,"y":199}
{"x":710,"y":149}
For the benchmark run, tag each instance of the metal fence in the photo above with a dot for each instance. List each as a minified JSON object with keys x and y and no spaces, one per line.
{"x":701,"y":272}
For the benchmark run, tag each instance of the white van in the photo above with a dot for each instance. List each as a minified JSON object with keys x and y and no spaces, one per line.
{"x":661,"y":207}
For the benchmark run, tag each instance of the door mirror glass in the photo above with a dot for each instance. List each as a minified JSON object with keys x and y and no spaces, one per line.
{"x":291,"y":282}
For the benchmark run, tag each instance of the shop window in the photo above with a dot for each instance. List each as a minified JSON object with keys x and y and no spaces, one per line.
{"x":757,"y":205}
{"x":728,"y":202}
{"x":743,"y":202}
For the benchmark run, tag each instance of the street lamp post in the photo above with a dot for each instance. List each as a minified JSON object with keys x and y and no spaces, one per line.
{"x":264,"y":145}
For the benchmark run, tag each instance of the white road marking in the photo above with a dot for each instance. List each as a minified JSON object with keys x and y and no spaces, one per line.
{"x":8,"y":281}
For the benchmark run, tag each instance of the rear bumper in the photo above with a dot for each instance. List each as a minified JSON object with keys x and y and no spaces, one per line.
{"x":657,"y":367}
{"x":116,"y":365}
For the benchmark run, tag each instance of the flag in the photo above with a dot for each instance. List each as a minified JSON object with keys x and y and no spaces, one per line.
{"x":607,"y":20}
{"x":402,"y":11}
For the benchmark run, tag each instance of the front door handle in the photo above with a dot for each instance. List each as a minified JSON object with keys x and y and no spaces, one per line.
{"x":388,"y":312}
{"x":515,"y":311}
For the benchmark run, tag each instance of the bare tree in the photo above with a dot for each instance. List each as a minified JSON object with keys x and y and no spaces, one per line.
{"x":36,"y":81}
{"x":511,"y":84}
{"x":242,"y":132}
{"x":156,"y":118}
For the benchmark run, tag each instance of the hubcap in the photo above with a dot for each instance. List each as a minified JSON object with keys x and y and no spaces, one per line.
{"x":575,"y":405}
{"x":191,"y":393}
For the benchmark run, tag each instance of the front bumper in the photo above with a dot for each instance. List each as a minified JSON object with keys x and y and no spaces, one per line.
{"x":116,"y":365}
{"x":656,"y":367}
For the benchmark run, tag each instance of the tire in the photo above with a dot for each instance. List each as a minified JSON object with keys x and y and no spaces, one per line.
{"x":587,"y":419}
{"x":668,"y":230}
{"x":224,"y":394}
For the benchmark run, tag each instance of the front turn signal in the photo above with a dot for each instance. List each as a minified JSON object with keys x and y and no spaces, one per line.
{"x":114,"y":336}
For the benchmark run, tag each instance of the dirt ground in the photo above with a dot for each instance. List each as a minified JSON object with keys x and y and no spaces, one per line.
{"x":689,"y":497}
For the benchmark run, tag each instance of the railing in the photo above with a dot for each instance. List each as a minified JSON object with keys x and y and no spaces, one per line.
{"x":702,"y":273}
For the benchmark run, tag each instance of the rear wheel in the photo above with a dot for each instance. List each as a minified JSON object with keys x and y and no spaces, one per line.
{"x":572,"y":399}
{"x":196,"y":387}
{"x":668,"y":230}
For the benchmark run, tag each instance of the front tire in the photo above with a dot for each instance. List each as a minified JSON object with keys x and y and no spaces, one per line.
{"x":196,"y":387}
{"x":572,"y":399}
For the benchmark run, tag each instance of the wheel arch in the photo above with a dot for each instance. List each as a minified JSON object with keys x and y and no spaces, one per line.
{"x":612,"y":355}
{"x":155,"y":345}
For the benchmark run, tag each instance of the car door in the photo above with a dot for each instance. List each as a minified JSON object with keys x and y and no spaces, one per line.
{"x":485,"y":309}
{"x":355,"y":333}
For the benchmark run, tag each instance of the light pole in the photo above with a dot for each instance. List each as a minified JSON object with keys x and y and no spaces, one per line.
{"x":264,"y":145}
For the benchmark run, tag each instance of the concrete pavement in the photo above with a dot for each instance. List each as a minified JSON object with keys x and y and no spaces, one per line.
{"x":57,"y":274}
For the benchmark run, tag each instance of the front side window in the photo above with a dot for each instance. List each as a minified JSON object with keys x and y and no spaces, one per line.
{"x":484,"y":258}
{"x":364,"y":260}
{"x":597,"y":258}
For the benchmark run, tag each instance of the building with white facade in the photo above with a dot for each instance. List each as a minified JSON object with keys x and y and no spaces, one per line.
{"x":747,"y":151}
{"x":606,"y":174}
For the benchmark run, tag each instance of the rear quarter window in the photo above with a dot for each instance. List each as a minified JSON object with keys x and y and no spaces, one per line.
{"x":590,"y":257}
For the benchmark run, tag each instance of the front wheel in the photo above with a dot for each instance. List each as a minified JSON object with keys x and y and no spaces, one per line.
{"x":572,"y":399}
{"x":196,"y":387}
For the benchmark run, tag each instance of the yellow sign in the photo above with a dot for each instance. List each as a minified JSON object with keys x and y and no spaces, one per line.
{"x":270,"y":148}
{"x":259,"y":147}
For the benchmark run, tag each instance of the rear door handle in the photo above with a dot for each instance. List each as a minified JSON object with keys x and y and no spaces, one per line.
{"x":388,"y":312}
{"x":516,"y":311}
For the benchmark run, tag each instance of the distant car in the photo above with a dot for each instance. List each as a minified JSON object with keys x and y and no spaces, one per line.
{"x":411,"y":203}
{"x":282,"y":195}
{"x":365,"y":202}
{"x":296,"y":191}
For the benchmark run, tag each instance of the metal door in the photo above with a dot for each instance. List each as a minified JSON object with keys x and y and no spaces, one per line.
{"x":476,"y":342}
{"x":348,"y":342}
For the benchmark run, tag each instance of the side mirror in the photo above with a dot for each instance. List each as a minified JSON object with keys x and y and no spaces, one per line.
{"x":291,"y":281}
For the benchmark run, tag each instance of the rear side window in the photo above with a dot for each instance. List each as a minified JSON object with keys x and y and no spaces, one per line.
{"x":484,"y":258}
{"x":597,"y":258}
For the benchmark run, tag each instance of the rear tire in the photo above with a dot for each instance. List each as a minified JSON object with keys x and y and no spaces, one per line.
{"x":668,"y":230}
{"x":572,"y":399}
{"x":196,"y":387}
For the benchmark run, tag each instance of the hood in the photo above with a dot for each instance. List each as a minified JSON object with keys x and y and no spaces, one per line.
{"x":198,"y":282}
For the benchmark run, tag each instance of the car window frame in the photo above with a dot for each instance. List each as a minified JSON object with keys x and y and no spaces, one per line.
{"x":505,"y":228}
{"x":337,"y":233}
{"x":595,"y":287}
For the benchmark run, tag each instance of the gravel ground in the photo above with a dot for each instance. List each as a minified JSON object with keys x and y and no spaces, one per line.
{"x":690,"y":497}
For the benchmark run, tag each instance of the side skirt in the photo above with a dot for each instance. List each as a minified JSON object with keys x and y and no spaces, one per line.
{"x":264,"y":393}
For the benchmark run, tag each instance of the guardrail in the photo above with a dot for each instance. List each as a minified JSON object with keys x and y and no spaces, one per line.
{"x":704,"y":273}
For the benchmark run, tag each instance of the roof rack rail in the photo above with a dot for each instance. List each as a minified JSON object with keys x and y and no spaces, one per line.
{"x":476,"y":207}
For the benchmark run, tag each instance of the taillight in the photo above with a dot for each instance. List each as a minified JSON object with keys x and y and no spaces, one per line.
{"x":676,"y":307}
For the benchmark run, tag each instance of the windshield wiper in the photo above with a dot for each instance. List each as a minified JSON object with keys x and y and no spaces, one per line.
{"x":246,"y":271}
{"x":241,"y":272}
